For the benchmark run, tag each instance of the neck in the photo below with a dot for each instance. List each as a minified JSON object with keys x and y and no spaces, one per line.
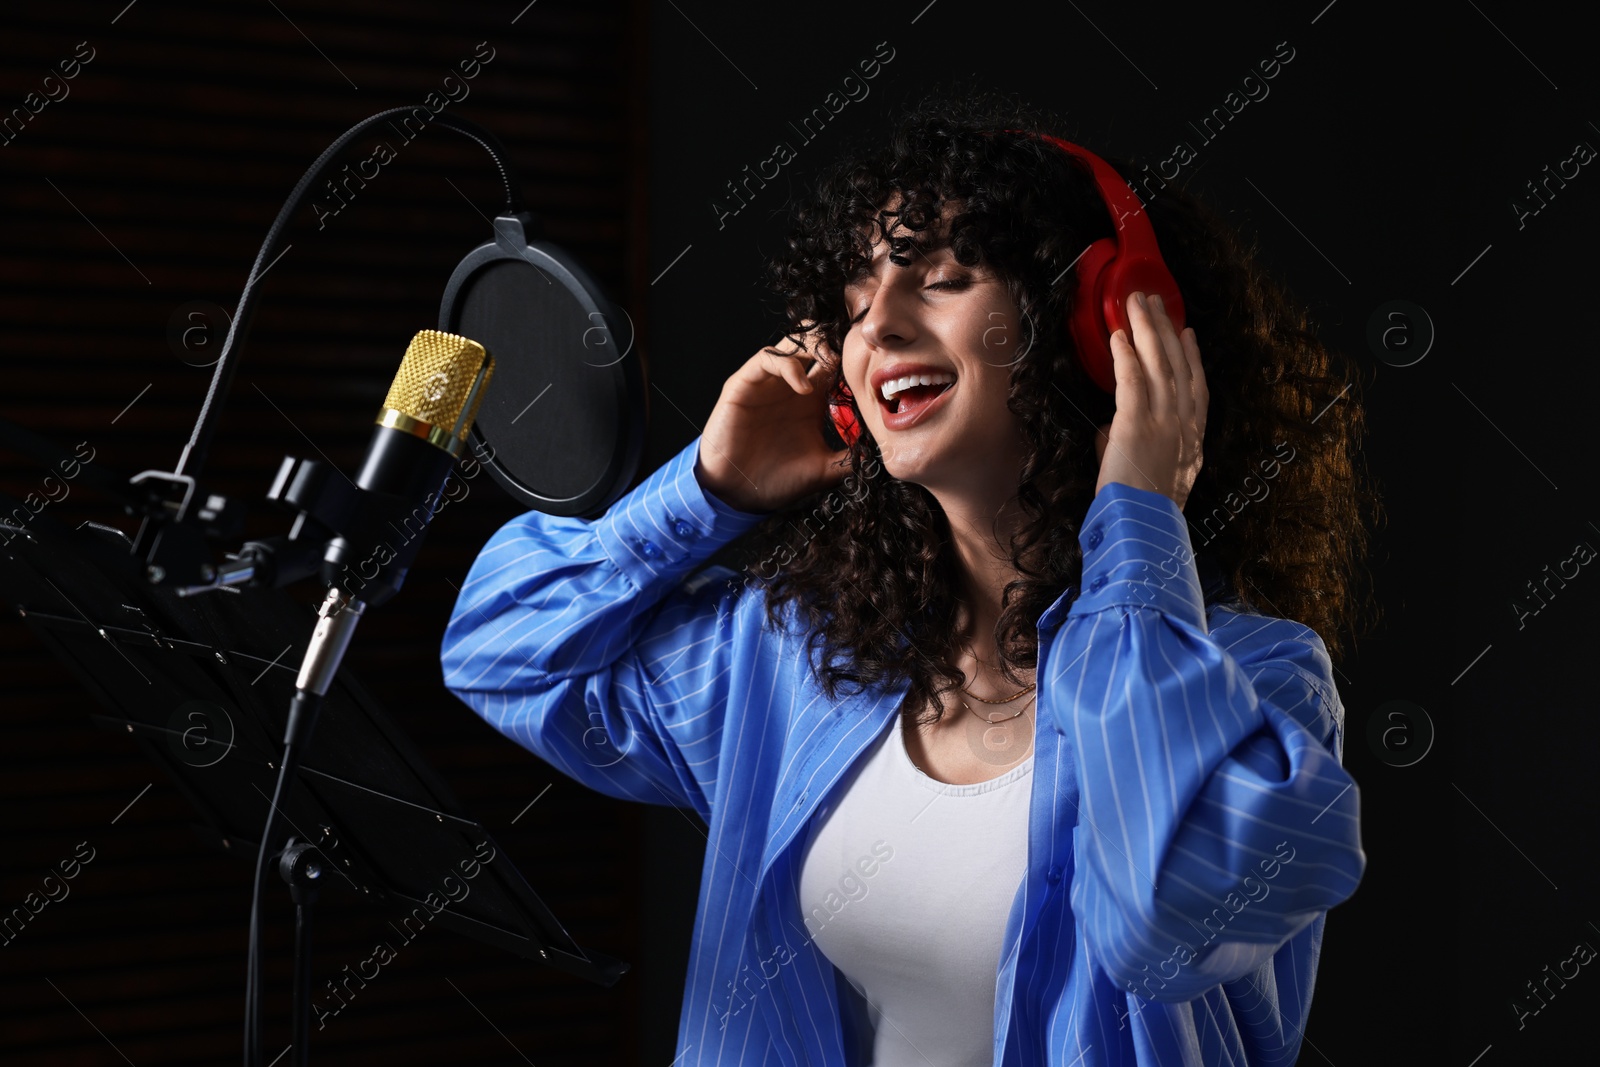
{"x":981,"y":525}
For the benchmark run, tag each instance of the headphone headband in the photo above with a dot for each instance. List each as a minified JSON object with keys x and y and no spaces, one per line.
{"x":1112,"y":269}
{"x":1125,"y":207}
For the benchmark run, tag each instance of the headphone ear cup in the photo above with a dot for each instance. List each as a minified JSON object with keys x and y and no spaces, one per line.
{"x":1087,"y":324}
{"x":1105,"y":282}
{"x":845,"y":423}
{"x":1138,"y":274}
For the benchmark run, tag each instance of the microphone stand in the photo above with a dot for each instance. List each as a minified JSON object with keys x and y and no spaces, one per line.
{"x":179,"y":517}
{"x":301,"y":867}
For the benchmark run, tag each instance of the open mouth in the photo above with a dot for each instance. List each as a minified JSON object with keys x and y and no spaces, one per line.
{"x":909,"y":395}
{"x":914,"y":399}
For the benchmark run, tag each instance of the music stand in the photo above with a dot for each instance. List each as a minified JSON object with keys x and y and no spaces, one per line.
{"x":195,"y":681}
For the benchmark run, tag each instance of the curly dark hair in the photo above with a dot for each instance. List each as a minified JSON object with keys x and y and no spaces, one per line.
{"x":870,"y":566}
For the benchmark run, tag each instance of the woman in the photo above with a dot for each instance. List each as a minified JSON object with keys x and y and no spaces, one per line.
{"x":1130,"y":857}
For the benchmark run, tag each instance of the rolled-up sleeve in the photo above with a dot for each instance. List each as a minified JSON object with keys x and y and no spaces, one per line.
{"x":1216,"y":819}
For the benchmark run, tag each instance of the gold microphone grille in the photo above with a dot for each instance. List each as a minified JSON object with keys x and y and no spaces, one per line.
{"x":439,"y":387}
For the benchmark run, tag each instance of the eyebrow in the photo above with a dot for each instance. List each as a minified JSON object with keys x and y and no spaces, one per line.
{"x":868,"y":269}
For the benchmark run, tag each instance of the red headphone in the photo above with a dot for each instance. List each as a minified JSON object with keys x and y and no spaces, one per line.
{"x":1109,"y":271}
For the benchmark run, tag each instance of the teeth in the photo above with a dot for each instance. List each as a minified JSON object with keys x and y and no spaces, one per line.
{"x":900,"y":385}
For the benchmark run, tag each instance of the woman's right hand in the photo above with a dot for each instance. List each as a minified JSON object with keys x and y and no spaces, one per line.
{"x":762,"y":448}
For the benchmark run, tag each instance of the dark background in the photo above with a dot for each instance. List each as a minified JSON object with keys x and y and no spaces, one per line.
{"x":1382,"y":166}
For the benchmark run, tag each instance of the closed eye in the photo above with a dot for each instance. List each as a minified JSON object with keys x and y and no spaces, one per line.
{"x":958,"y":283}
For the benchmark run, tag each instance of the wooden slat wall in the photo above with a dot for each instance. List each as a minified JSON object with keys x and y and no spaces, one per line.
{"x":177,"y":145}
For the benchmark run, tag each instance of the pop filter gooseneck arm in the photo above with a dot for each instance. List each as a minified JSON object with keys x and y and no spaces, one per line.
{"x":194,"y":453}
{"x":179,"y":519}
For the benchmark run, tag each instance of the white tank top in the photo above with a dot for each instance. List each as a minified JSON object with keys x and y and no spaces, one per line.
{"x":905,"y":886}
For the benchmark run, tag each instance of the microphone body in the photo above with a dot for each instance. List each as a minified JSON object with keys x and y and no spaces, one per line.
{"x":402,"y":479}
{"x":421,"y":432}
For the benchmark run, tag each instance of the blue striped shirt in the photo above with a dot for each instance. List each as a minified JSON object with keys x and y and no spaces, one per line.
{"x":1189,"y":822}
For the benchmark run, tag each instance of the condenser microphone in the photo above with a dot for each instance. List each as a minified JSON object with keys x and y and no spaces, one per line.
{"x":421,"y":432}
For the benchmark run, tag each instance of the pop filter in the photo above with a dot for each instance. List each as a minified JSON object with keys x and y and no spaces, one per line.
{"x":563,"y":428}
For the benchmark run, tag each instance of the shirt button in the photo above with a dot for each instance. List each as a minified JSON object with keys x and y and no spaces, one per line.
{"x":1096,"y":535}
{"x":1053,"y":876}
{"x":649,"y":549}
{"x":1098,"y":584}
{"x":683,"y":529}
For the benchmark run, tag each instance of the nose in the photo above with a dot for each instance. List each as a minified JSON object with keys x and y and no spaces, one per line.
{"x":889,"y":322}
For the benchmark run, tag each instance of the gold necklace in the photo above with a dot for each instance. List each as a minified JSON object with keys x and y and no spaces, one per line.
{"x":996,"y":722}
{"x":1006,"y":700}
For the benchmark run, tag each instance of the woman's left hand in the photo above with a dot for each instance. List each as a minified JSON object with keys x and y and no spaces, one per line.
{"x":1153,"y":440}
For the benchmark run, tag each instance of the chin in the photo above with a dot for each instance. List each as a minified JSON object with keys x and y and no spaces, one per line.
{"x":961,"y":466}
{"x":907,"y":462}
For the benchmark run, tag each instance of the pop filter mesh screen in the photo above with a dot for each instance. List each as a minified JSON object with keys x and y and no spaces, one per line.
{"x":551,"y":413}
